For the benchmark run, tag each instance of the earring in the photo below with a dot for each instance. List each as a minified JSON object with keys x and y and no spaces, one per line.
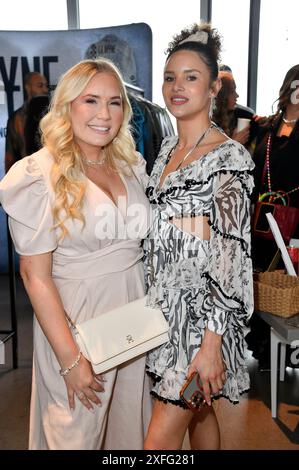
{"x":115,"y":141}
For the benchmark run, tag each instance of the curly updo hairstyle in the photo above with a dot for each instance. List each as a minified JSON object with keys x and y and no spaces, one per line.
{"x":209,"y":52}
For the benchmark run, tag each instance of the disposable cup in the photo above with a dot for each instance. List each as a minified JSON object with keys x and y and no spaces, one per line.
{"x":242,"y":123}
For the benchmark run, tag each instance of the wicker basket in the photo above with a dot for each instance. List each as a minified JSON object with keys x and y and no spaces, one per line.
{"x":276,"y":293}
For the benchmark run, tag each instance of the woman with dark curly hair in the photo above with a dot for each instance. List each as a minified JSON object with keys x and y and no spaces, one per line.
{"x":280,"y":134}
{"x":277,"y":170}
{"x":198,"y":266}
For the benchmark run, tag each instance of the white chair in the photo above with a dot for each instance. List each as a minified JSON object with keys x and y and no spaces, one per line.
{"x":281,"y":334}
{"x":276,"y":339}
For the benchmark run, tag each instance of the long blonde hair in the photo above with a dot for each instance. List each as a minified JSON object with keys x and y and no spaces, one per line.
{"x":57,"y":135}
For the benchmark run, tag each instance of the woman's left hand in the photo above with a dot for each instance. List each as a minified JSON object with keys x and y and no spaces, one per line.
{"x":209,"y":364}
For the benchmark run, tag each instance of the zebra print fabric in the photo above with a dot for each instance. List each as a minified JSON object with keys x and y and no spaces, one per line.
{"x":197,"y":283}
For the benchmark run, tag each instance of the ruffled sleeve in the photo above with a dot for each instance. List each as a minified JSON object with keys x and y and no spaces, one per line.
{"x":139,"y":170}
{"x":25,"y":198}
{"x":230,"y":268}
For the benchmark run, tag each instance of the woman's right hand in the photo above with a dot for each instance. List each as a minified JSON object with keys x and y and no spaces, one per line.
{"x":82,"y":383}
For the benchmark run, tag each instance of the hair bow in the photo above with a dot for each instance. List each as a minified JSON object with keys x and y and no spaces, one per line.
{"x":199,"y":36}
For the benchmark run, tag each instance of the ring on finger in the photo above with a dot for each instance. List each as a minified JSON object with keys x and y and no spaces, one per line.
{"x":80,"y":395}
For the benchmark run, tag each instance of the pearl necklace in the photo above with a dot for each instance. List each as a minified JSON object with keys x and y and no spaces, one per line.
{"x":289,"y":121}
{"x":93,"y":163}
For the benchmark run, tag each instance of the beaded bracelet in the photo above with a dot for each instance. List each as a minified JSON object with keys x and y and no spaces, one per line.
{"x":66,"y":371}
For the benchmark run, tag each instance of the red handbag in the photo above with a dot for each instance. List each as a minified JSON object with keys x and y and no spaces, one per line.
{"x":287,"y":219}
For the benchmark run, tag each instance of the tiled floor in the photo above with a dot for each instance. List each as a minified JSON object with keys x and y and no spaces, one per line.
{"x":247,"y":426}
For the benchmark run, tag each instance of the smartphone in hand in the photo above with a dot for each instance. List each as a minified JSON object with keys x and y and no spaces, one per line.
{"x":192,"y":392}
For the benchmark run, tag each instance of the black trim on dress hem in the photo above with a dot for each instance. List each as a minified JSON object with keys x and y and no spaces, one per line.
{"x":153,"y":376}
{"x":179,"y":403}
{"x":234,"y":402}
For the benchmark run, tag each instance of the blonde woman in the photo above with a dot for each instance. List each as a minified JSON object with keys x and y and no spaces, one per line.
{"x":69,"y":208}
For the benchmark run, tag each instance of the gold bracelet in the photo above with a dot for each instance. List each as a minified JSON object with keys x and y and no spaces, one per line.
{"x":66,"y":371}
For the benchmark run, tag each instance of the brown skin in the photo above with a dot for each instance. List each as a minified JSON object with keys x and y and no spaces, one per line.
{"x":37,"y":85}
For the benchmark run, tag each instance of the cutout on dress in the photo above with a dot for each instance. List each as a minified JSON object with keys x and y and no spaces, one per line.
{"x":194,"y":225}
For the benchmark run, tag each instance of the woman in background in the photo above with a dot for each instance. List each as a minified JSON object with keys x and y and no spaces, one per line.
{"x":224,"y":111}
{"x":278,"y":142}
{"x":36,"y":109}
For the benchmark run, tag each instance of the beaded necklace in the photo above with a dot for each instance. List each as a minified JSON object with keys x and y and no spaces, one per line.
{"x":283,"y":193}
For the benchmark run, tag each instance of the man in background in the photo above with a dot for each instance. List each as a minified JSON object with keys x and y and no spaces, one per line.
{"x":15,"y":149}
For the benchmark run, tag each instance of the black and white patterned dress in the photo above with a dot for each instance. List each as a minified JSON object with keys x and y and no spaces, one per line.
{"x":199,"y":283}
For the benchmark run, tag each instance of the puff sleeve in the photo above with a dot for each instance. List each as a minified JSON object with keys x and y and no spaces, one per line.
{"x":140,"y":171}
{"x":230,"y":267}
{"x":25,"y":197}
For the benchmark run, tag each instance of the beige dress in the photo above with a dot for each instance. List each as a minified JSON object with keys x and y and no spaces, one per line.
{"x":95,"y":269}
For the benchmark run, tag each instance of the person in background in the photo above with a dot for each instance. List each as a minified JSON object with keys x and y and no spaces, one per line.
{"x":197,"y":257}
{"x":277,"y":140}
{"x":241,"y":111}
{"x":224,"y":114}
{"x":36,"y":109}
{"x":65,"y":204}
{"x":15,"y":149}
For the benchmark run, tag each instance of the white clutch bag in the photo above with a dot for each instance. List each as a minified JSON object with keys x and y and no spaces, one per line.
{"x":121,"y":334}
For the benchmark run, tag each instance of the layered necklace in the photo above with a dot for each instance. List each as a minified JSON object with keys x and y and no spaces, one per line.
{"x":201,"y":138}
